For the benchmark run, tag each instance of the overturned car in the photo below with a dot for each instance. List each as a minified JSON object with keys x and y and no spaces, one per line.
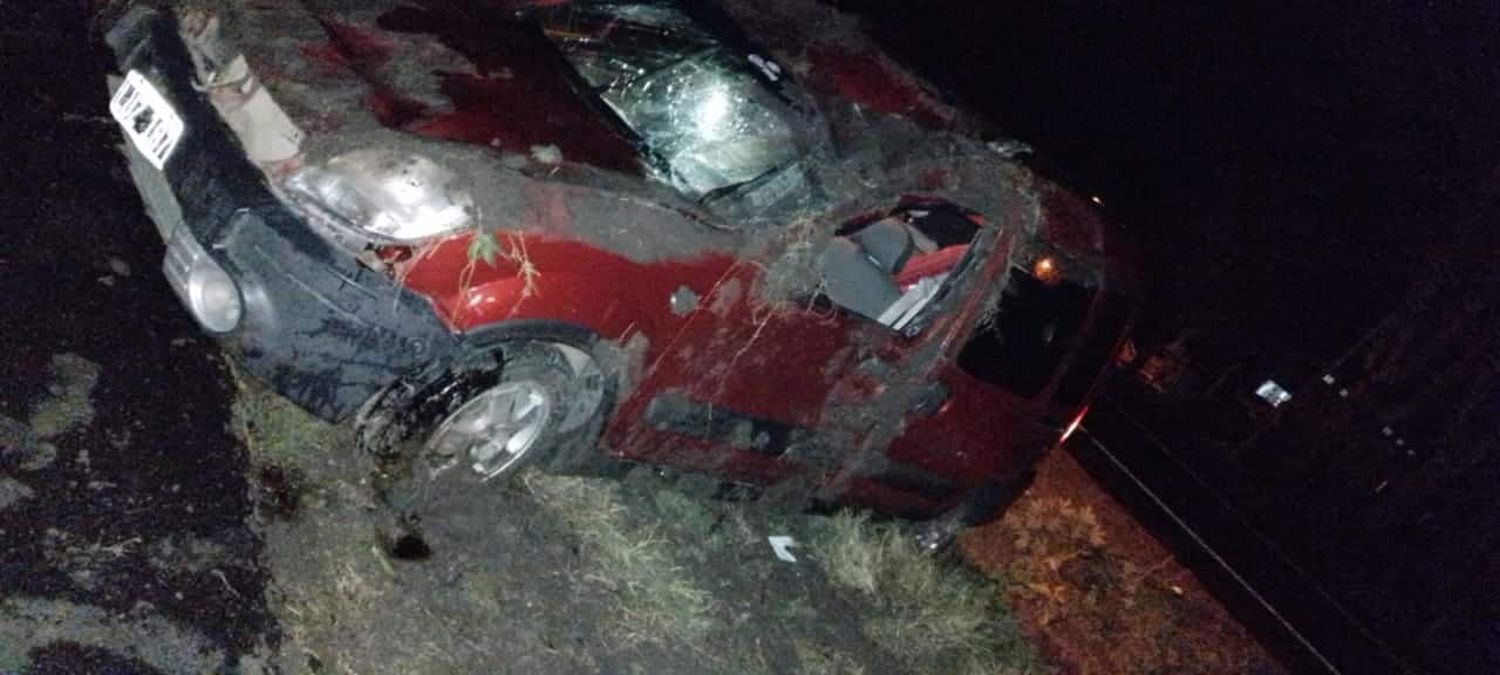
{"x":729,"y":240}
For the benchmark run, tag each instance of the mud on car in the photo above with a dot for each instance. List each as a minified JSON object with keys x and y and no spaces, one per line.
{"x":730,"y":240}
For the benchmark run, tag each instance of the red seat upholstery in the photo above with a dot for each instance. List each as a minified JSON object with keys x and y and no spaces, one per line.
{"x":927,"y":264}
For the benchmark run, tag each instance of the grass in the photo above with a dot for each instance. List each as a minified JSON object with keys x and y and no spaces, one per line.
{"x":931,"y":615}
{"x":276,"y":429}
{"x":645,"y":574}
{"x":816,"y":659}
{"x":658,"y":601}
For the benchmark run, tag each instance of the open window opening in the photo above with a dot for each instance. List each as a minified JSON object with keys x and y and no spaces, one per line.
{"x":894,"y":267}
{"x":1043,"y":307}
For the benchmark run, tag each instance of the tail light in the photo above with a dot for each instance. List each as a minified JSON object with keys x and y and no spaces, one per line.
{"x":1072,"y":426}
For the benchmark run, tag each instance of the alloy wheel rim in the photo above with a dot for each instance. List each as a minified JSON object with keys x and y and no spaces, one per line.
{"x":495,"y":430}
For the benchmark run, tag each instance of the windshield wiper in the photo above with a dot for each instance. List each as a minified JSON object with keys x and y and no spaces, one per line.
{"x":726,"y":190}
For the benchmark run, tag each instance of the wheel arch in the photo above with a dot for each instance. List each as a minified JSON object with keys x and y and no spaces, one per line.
{"x":611,"y":356}
{"x":489,"y":336}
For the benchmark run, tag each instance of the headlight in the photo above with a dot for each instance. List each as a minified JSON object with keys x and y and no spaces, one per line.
{"x":391,"y":195}
{"x":207,"y":290}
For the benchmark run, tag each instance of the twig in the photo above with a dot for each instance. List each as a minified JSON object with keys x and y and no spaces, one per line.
{"x":224,"y":578}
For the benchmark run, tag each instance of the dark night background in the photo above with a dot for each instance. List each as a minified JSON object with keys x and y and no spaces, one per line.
{"x":1285,"y":164}
{"x":1315,"y":187}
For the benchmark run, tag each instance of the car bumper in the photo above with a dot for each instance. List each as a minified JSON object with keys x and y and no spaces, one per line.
{"x":320,"y":327}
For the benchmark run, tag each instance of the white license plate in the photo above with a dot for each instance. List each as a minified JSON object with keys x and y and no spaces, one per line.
{"x":149,"y":121}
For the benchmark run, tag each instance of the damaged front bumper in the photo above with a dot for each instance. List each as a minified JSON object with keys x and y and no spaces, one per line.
{"x":319,"y":326}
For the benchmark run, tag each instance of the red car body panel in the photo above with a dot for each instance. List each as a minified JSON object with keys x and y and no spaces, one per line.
{"x":731,"y":349}
{"x":490,"y":106}
{"x":869,"y":80}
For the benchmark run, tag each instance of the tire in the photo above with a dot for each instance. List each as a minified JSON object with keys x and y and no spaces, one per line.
{"x":481,"y":417}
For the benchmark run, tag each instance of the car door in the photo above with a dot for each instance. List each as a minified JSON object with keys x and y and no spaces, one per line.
{"x":770,"y":380}
{"x":919,"y":431}
{"x":743,"y":383}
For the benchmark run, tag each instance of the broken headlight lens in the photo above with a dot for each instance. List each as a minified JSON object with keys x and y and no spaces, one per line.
{"x":390,"y":195}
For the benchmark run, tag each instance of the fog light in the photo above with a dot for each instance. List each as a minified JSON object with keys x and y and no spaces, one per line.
{"x":207,"y":290}
{"x":213,"y":297}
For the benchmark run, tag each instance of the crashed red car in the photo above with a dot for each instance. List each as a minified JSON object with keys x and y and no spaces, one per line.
{"x":728,"y":240}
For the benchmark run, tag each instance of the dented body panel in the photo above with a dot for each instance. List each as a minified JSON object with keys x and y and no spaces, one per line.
{"x":748,"y":355}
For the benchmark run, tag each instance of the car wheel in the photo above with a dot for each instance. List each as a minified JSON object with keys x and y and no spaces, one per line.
{"x":483,"y":417}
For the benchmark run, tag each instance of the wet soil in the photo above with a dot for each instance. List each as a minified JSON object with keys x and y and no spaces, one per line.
{"x":127,"y":498}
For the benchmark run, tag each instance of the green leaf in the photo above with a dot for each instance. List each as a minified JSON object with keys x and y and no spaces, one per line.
{"x":484,"y":247}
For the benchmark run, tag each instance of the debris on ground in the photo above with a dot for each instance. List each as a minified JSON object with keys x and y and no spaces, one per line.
{"x":119,"y":267}
{"x":546,"y":154}
{"x":781,"y":545}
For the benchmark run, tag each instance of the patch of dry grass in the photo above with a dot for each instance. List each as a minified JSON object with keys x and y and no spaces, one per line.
{"x":276,"y":429}
{"x":1049,"y":536}
{"x":1104,"y":611}
{"x":662,"y":575}
{"x":815,"y":659}
{"x":931,"y":615}
{"x":658,"y":601}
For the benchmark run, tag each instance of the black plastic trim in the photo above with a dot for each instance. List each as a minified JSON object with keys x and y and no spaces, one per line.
{"x":324,"y":330}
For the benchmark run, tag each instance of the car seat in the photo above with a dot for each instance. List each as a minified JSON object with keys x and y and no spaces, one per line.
{"x":853,"y":280}
{"x":888,"y":243}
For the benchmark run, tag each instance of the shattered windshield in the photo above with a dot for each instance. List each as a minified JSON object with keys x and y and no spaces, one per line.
{"x":708,"y":123}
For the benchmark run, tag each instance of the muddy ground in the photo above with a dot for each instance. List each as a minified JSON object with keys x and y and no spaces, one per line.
{"x":123,"y":496}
